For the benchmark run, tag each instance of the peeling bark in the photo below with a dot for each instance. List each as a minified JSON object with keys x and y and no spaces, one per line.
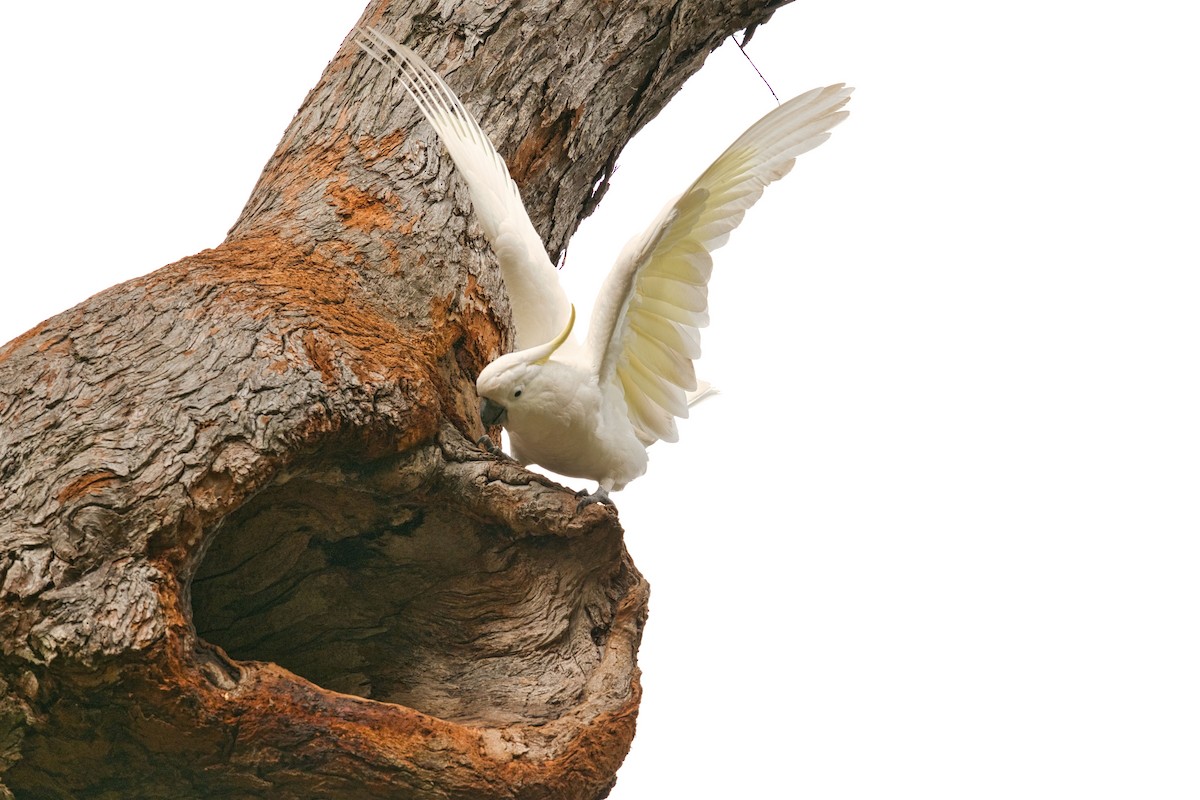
{"x":246,"y":546}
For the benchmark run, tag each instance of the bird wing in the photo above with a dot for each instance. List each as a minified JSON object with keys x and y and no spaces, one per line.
{"x":644,"y":332}
{"x":539,"y":305}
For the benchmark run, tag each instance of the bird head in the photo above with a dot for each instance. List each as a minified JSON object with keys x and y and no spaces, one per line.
{"x":508,"y":381}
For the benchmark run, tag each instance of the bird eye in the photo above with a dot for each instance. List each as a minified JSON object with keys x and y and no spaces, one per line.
{"x":517,"y":393}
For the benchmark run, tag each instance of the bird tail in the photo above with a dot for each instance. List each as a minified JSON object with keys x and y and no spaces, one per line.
{"x":702,"y":392}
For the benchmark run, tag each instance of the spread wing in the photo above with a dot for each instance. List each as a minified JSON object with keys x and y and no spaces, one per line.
{"x":539,"y":304}
{"x":644,"y":332}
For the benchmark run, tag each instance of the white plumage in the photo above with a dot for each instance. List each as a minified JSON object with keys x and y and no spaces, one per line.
{"x":590,"y":410}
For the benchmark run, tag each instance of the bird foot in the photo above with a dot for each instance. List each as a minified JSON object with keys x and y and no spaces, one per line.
{"x":599,"y":496}
{"x":486,"y":443}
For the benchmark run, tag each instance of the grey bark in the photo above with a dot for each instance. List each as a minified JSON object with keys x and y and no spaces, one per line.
{"x":246,"y":546}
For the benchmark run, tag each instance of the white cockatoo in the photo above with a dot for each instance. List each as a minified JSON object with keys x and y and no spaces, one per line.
{"x":590,"y":409}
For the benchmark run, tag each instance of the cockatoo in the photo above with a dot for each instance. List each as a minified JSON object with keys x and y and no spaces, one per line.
{"x":590,"y":409}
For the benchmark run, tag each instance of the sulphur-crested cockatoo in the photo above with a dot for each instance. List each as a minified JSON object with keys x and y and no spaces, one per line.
{"x":590,"y":409}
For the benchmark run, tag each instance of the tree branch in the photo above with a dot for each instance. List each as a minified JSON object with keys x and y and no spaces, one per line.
{"x":246,"y":548}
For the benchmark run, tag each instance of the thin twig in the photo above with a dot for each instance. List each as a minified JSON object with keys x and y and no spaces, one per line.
{"x":742,"y":46}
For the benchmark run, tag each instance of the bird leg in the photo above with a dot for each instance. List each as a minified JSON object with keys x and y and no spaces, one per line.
{"x":486,"y":443}
{"x":598,"y":496}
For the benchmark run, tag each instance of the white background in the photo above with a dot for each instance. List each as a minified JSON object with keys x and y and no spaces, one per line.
{"x":937,"y":538}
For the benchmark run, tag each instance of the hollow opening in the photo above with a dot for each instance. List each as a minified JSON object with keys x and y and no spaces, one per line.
{"x":409,"y":599}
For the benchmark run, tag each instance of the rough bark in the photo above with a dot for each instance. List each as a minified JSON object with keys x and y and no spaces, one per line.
{"x":246,"y":546}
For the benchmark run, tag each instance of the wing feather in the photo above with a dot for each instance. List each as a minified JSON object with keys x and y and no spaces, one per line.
{"x":680,"y":338}
{"x":689,"y":262}
{"x":669,"y":398}
{"x":668,"y":311}
{"x":644,"y":333}
{"x":539,"y":305}
{"x":649,"y":419}
{"x":671,"y":366}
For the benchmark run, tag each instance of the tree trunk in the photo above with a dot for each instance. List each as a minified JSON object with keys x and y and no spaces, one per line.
{"x":246,"y":546}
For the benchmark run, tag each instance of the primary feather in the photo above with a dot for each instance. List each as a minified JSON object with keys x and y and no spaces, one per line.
{"x":539,"y":304}
{"x":591,"y":410}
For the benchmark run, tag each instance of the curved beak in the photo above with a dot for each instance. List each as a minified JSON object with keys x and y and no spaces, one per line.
{"x":491,"y":413}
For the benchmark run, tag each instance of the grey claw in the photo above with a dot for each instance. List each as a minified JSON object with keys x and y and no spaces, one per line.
{"x":598,"y":496}
{"x":486,"y":443}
